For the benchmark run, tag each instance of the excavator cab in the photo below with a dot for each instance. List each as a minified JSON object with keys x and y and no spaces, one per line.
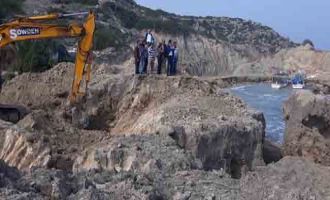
{"x":38,"y":27}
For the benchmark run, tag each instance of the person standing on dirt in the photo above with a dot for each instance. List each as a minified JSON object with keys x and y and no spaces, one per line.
{"x":137,"y":56}
{"x":161,"y":56}
{"x":149,"y":38}
{"x":152,"y":53}
{"x":175,"y":58}
{"x":143,"y":59}
{"x":170,"y":59}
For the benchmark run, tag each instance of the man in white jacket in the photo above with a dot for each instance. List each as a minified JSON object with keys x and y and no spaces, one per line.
{"x":149,"y":38}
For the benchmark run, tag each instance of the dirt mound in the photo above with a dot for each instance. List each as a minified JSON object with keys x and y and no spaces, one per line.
{"x":142,"y":136}
{"x":123,"y":104}
{"x":47,"y":90}
{"x":204,"y":120}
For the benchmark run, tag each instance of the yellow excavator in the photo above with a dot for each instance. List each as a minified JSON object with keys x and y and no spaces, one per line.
{"x":37,"y":27}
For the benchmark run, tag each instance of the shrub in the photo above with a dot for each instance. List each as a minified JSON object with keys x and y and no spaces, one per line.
{"x":127,"y":17}
{"x":35,"y":56}
{"x":8,"y":8}
{"x":308,"y":41}
{"x":108,"y":36}
{"x":167,"y":26}
{"x":87,"y":2}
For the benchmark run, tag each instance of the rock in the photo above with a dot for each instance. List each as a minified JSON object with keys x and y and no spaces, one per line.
{"x":8,"y":174}
{"x":290,"y":178}
{"x":182,"y":196}
{"x":156,"y":153}
{"x":307,"y":131}
{"x":207,"y":185}
{"x":23,"y":149}
{"x":271,"y":152}
{"x":179,"y":135}
{"x":287,"y":179}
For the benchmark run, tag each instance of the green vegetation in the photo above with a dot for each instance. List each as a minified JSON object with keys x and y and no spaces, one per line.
{"x":86,"y":2}
{"x":128,"y":18}
{"x":35,"y":56}
{"x":8,"y":8}
{"x":108,"y":36}
{"x":170,"y":26}
{"x":150,"y":19}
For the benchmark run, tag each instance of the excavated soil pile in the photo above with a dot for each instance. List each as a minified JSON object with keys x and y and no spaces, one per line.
{"x":152,"y":125}
{"x":133,"y":137}
{"x":47,"y":90}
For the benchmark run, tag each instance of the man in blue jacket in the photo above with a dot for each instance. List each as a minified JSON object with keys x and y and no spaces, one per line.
{"x":170,"y":58}
{"x":175,"y":57}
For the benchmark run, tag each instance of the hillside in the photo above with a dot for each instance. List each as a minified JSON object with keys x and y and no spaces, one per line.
{"x":209,"y":45}
{"x":127,"y":17}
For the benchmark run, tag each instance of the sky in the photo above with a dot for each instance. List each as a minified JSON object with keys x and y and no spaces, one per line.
{"x":295,"y":19}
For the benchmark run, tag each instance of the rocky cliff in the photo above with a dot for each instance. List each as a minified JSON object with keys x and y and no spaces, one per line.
{"x":302,"y":58}
{"x":307,"y":127}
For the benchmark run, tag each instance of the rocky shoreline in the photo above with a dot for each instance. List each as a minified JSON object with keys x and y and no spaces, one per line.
{"x":150,"y":137}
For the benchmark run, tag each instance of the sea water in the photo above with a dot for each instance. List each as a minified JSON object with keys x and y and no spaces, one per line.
{"x":269,"y":101}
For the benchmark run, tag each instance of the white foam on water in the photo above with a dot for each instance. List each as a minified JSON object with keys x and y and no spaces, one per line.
{"x":242,"y":87}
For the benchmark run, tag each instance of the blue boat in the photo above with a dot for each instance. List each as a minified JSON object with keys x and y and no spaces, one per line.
{"x":298,"y":81}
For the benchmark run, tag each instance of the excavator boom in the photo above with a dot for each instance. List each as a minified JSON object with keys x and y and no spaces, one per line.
{"x":34,"y":28}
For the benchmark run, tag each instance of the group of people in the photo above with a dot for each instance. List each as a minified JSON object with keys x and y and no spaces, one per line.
{"x":146,"y":53}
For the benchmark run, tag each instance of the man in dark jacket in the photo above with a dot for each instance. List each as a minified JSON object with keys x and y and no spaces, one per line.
{"x":160,"y":56}
{"x":137,"y":57}
{"x":143,"y":58}
{"x":169,"y":55}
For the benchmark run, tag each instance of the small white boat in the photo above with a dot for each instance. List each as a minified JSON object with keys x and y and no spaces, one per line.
{"x":279,"y":85}
{"x":280,"y":80}
{"x":298,"y":86}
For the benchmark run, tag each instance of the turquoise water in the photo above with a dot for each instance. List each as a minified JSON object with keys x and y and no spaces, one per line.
{"x":269,"y":101}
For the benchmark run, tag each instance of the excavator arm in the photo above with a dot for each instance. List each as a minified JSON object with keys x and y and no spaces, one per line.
{"x":32,"y":28}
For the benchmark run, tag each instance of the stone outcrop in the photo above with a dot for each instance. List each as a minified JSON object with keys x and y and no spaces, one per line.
{"x":289,"y":179}
{"x":21,"y":148}
{"x":148,"y":154}
{"x":271,"y":152}
{"x":307,"y":131}
{"x":303,"y":58}
{"x":55,"y":184}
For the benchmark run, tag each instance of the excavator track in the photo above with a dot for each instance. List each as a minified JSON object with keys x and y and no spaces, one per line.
{"x":12,"y":113}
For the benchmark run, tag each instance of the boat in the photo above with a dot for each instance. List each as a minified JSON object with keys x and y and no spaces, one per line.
{"x":298,"y":82}
{"x":277,"y":85}
{"x":280,"y":80}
